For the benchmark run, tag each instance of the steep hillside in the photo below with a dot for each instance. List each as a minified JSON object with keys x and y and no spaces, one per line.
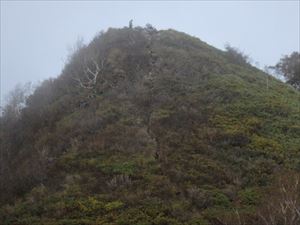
{"x":149,"y":127}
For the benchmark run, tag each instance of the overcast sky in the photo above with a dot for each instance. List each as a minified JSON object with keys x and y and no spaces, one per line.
{"x":36,"y":35}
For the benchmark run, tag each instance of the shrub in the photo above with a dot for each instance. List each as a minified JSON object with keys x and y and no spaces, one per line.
{"x":249,"y":197}
{"x":127,"y":168}
{"x":219,"y":199}
{"x":236,"y":56}
{"x":113,"y":205}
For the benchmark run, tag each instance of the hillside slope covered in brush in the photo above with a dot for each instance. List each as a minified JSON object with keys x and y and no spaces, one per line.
{"x":149,"y":127}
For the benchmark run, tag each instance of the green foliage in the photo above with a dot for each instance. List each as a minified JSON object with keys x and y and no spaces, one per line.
{"x":222,"y":200}
{"x":198,"y":221}
{"x":265,"y":144}
{"x":114,"y":205}
{"x":123,"y":168}
{"x":163,"y":220}
{"x":161,"y":114}
{"x":249,"y":196}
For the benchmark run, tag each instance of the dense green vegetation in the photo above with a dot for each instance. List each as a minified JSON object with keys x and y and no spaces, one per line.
{"x":171,"y":131}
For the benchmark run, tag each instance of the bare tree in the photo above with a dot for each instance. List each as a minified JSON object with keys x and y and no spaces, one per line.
{"x":86,"y":65}
{"x":16,"y":100}
{"x":92,"y":75}
{"x":283,"y":206}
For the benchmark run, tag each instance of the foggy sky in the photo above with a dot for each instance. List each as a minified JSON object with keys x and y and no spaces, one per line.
{"x":36,"y":35}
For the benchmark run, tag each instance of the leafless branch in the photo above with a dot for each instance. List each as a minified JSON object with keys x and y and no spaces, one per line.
{"x":92,"y":75}
{"x":283,"y":208}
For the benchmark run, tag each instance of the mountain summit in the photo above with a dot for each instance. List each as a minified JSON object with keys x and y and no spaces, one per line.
{"x":151,"y":127}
